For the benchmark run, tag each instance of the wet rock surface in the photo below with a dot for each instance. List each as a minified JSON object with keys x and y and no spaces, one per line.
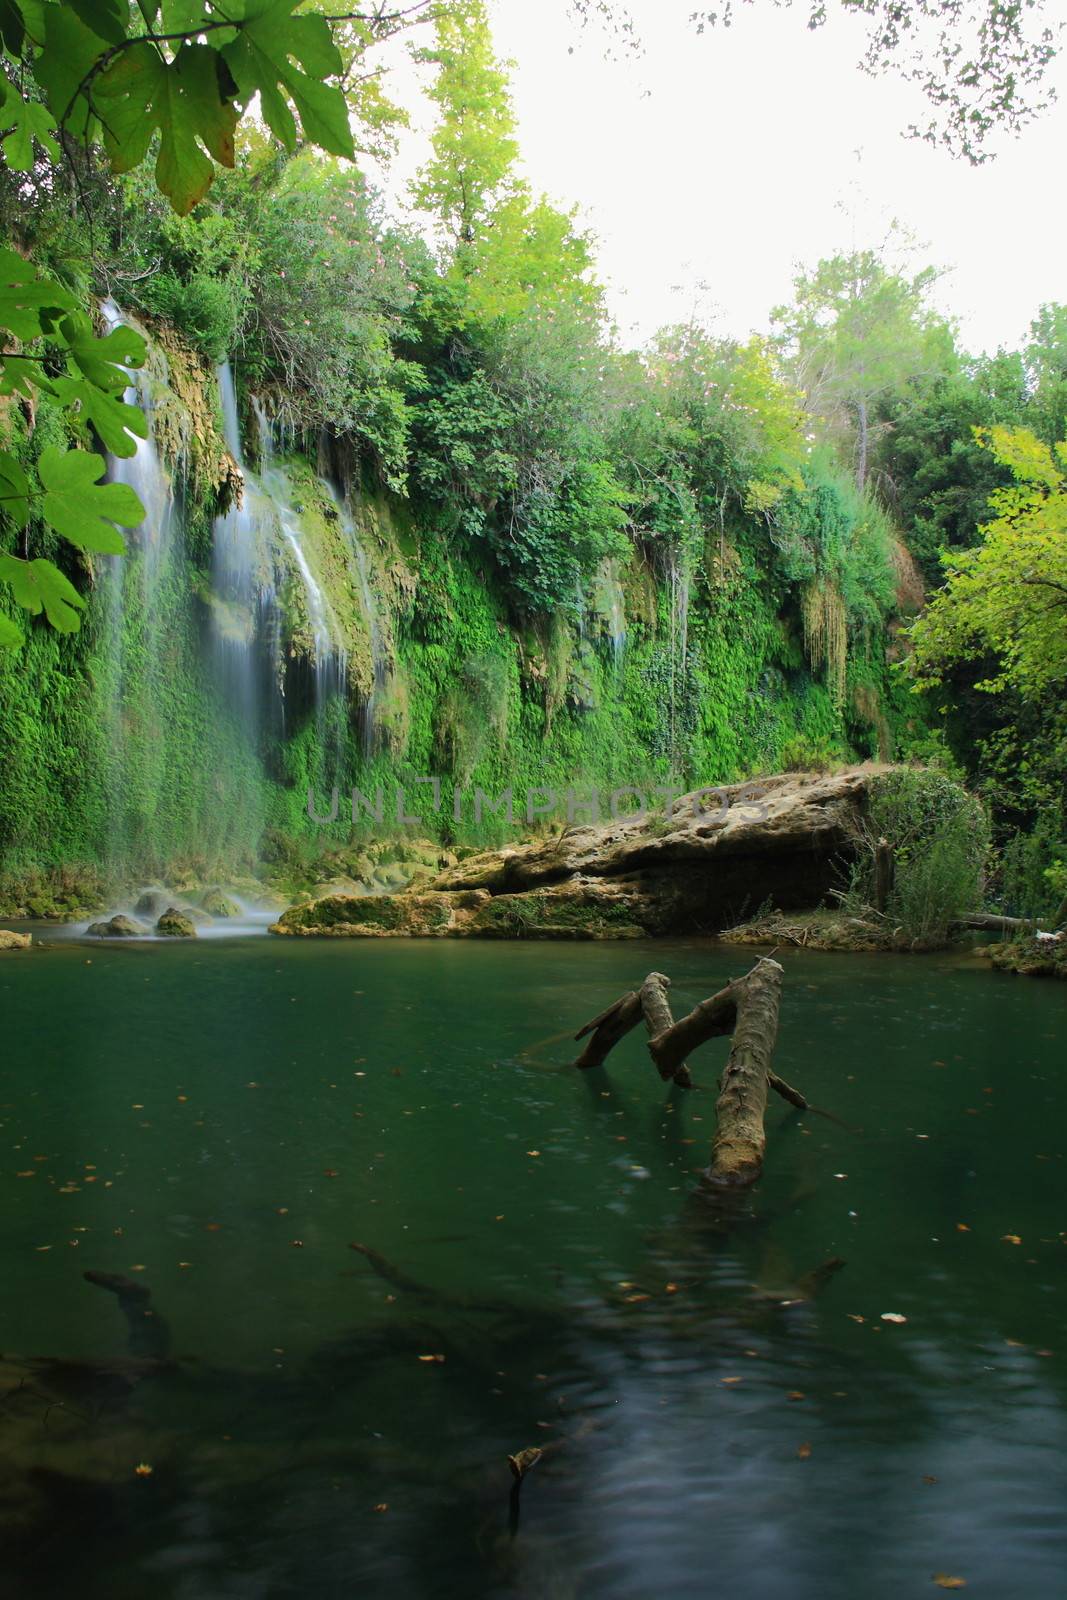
{"x":117,"y":927}
{"x":712,"y":859}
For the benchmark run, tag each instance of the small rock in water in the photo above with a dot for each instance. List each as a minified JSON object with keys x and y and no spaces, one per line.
{"x":218,"y":904}
{"x":153,"y":903}
{"x":14,"y":941}
{"x":175,"y":924}
{"x":119,"y":927}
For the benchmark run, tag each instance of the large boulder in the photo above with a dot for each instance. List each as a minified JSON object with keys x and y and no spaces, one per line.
{"x":714,"y":857}
{"x":175,"y":924}
{"x":14,"y":941}
{"x":119,"y":927}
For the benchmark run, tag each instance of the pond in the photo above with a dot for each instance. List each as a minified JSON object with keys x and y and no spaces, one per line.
{"x":223,"y":1124}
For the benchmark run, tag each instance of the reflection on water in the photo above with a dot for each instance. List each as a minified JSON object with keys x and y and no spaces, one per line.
{"x":223,"y":1124}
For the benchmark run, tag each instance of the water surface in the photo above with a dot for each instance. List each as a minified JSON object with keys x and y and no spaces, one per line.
{"x":223,"y":1123}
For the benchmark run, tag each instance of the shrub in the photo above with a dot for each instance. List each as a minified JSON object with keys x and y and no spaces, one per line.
{"x":1032,"y":872}
{"x":939,"y":837}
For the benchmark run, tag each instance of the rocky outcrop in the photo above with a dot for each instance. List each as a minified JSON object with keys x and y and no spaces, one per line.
{"x":175,"y":924}
{"x":118,"y":927}
{"x":715,"y":857}
{"x":14,"y":941}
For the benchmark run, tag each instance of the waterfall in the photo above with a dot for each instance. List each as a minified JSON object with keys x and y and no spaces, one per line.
{"x":243,"y":594}
{"x":379,"y":654}
{"x":611,"y":607}
{"x":133,"y":587}
{"x":329,"y":658}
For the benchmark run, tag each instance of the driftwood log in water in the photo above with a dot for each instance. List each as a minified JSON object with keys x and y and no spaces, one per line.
{"x":737,"y":1150}
{"x":747,"y":1008}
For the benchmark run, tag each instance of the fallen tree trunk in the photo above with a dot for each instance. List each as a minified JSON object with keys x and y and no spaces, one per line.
{"x":709,"y":1020}
{"x":988,"y":922}
{"x":607,"y":1029}
{"x":617,"y":1021}
{"x":747,"y":1008}
{"x":660,"y":1024}
{"x":737,"y":1150}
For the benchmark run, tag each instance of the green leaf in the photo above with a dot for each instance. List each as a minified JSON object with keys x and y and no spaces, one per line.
{"x":32,"y":19}
{"x":103,"y":361}
{"x":113,"y":420}
{"x":22,"y":377}
{"x":27,"y":120}
{"x":70,"y":51}
{"x":14,"y":490}
{"x":76,"y":508}
{"x":141,"y":92}
{"x":40,"y":586}
{"x":182,"y":16}
{"x":29,"y":305}
{"x":9,"y":634}
{"x":109,"y":18}
{"x":259,"y":59}
{"x":12,"y":31}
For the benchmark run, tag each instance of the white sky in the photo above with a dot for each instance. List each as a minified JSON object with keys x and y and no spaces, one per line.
{"x":726,"y":160}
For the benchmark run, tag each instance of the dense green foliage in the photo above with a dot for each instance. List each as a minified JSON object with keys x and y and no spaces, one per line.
{"x":541,"y":561}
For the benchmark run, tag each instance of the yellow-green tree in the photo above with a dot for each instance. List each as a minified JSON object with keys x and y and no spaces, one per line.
{"x":1008,"y":596}
{"x":474,"y":147}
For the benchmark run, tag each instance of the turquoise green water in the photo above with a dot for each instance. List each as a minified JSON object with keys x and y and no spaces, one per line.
{"x":230,"y":1118}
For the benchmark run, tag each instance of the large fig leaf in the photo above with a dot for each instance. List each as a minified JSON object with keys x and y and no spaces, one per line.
{"x":76,"y":504}
{"x":40,"y":586}
{"x":261,"y":59}
{"x":141,"y":93}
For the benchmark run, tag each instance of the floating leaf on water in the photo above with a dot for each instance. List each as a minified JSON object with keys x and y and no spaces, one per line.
{"x":804,"y":1451}
{"x":1010,"y":1238}
{"x":854,"y":1316}
{"x":795,"y":1394}
{"x":521,"y":1462}
{"x":533,"y":1152}
{"x":944,"y":1581}
{"x":143,"y":1470}
{"x":383,"y":1505}
{"x":928,"y":1479}
{"x":961,"y":1227}
{"x":893,"y":1316}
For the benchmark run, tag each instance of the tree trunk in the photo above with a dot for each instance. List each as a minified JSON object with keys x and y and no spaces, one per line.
{"x":861,"y":445}
{"x":987,"y":922}
{"x":660,"y":1024}
{"x":709,"y":1020}
{"x":607,"y":1029}
{"x":884,"y":873}
{"x":737,"y":1151}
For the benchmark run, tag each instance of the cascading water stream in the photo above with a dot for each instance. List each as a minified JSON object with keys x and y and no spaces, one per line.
{"x":329,"y":659}
{"x":378,"y":651}
{"x":612,"y":607}
{"x":132,"y":586}
{"x":243,"y":593}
